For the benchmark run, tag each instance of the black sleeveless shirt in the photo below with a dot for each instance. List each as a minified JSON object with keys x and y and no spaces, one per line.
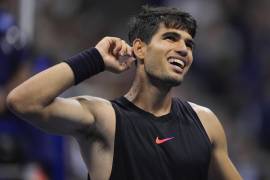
{"x":174,"y":146}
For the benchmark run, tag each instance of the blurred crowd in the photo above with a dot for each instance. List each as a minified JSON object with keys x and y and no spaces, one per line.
{"x":230,"y":75}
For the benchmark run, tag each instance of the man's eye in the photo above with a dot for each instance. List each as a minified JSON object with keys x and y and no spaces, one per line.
{"x":170,"y":38}
{"x":190,"y":45}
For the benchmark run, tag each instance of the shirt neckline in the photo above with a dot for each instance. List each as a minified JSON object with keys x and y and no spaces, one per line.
{"x":142,"y":111}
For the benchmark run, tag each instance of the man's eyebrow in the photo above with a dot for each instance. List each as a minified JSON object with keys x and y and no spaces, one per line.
{"x":178,"y":36}
{"x":174,"y":34}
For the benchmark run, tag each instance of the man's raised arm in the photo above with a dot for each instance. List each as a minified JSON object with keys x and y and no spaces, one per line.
{"x":36,"y":99}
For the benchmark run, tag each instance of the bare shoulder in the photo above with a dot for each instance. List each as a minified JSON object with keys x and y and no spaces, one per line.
{"x":91,"y":99}
{"x":221,"y":166}
{"x":96,"y":105}
{"x":102,"y":111}
{"x":201,"y":109}
{"x":93,"y":104}
{"x":209,"y":120}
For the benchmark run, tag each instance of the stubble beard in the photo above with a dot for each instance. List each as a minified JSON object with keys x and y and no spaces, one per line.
{"x":163,"y":80}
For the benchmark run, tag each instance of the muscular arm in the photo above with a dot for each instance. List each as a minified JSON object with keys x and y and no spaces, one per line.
{"x":22,"y":73}
{"x":36,"y":100}
{"x":221,"y":166}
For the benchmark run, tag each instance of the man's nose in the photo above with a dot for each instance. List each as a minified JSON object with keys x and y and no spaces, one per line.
{"x":182,"y":53}
{"x":182,"y":49}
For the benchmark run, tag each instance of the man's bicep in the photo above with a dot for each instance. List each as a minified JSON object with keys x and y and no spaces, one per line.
{"x":65,"y":116}
{"x":221,"y":166}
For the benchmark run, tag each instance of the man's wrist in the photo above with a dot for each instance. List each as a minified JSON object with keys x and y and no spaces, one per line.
{"x":86,"y":64}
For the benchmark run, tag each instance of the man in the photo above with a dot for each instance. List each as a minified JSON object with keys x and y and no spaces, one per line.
{"x":146,"y":134}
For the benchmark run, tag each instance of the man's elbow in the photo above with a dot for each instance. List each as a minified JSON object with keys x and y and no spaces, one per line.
{"x":19,"y":104}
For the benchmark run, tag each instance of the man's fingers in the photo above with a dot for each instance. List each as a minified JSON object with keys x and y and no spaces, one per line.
{"x":123,"y":50}
{"x":130,"y":50}
{"x":127,"y":63}
{"x":116,"y":53}
{"x":117,"y":46}
{"x":130,"y":60}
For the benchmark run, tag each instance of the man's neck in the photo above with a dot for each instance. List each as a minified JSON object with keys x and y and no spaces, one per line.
{"x":151,"y":98}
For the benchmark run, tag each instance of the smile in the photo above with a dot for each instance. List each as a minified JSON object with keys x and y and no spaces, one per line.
{"x":177,"y":62}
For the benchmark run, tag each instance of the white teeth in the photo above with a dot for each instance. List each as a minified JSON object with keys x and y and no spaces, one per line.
{"x":180,"y":62}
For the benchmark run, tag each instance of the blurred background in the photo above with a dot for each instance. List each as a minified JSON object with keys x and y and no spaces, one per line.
{"x":230,"y":75}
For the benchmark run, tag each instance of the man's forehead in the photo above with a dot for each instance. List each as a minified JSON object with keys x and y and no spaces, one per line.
{"x":163,"y":30}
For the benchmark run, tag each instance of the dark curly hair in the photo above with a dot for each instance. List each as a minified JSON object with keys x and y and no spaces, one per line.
{"x":146,"y":23}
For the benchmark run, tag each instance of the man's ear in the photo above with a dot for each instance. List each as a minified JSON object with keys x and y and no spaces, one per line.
{"x":139,"y":48}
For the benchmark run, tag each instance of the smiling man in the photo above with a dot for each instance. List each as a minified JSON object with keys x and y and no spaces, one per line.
{"x":146,"y":134}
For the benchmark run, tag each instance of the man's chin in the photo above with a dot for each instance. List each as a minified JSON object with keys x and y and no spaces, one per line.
{"x":167,"y":81}
{"x":175,"y":83}
{"x":175,"y":80}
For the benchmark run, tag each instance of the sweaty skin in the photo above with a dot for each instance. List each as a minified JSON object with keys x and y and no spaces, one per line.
{"x":91,"y":120}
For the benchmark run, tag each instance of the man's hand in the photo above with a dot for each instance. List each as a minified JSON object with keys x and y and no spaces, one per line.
{"x":112,"y":49}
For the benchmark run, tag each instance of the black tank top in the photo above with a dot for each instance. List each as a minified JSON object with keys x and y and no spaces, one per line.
{"x":174,"y":146}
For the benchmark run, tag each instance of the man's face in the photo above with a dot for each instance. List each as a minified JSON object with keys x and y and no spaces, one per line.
{"x":168,"y":55}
